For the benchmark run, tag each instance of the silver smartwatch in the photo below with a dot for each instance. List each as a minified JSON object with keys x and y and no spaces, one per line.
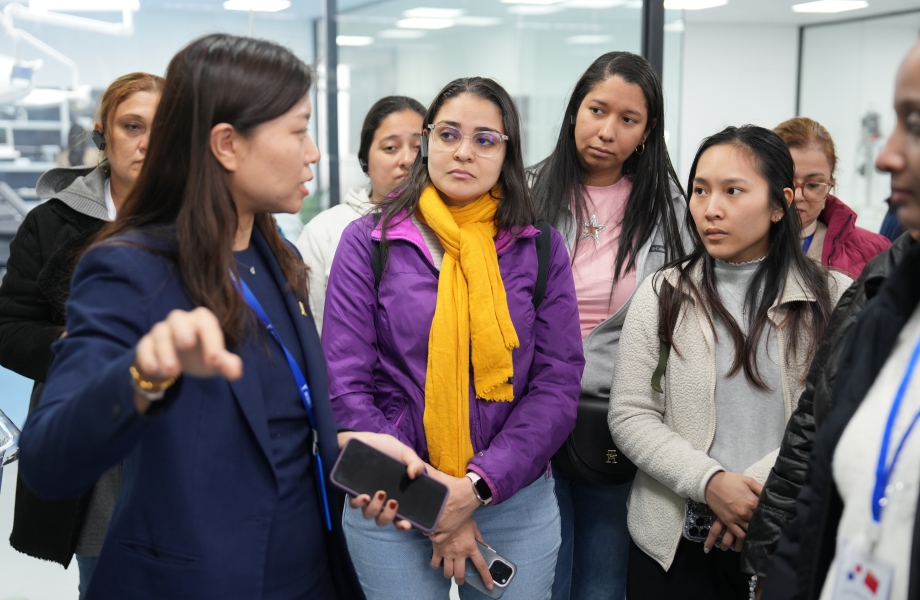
{"x":480,"y":488}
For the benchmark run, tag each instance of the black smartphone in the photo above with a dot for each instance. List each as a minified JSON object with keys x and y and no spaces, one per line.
{"x":361,"y":469}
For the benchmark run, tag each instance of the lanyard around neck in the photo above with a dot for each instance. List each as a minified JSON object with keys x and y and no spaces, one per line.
{"x":806,"y":244}
{"x":303,"y":388}
{"x":884,"y":469}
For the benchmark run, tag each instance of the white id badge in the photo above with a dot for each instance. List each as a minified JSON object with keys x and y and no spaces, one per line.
{"x":861,"y":576}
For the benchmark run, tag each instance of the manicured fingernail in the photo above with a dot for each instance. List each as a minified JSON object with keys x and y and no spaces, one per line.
{"x":706,"y":550}
{"x":391,"y":504}
{"x":381,"y":495}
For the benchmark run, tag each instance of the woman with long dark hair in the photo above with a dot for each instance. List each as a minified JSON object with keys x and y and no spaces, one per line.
{"x":390,"y":139}
{"x":190,"y":357}
{"x":451,"y":347}
{"x":609,"y":187}
{"x":713,"y":359}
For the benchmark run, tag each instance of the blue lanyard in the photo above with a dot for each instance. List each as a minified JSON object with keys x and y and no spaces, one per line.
{"x":884,"y":469}
{"x":807,"y":243}
{"x":302,"y":386}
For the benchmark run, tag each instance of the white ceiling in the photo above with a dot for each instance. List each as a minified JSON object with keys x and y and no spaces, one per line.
{"x":780,"y":11}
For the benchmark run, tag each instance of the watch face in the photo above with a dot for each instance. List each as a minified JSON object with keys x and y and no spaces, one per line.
{"x":482,"y":488}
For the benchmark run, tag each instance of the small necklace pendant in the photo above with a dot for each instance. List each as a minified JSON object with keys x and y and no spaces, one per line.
{"x":591,"y":229}
{"x":252,"y":270}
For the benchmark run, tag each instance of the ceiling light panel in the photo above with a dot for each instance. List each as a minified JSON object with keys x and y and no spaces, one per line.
{"x":420,"y":23}
{"x":257,"y":5}
{"x":425,"y":12}
{"x":353,"y":40}
{"x":596,"y":4}
{"x":535,"y":2}
{"x":86,"y":5}
{"x":830,"y":6}
{"x":401,"y":34}
{"x":589,"y":39}
{"x":693,"y":4}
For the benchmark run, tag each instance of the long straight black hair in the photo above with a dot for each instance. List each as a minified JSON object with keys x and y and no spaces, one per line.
{"x":771,"y":157}
{"x":560,"y":178}
{"x":182,"y":191}
{"x":515,"y":209}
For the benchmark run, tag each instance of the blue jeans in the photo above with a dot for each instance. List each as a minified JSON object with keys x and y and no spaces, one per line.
{"x":395,"y":565}
{"x":86,"y":565}
{"x":595,"y":541}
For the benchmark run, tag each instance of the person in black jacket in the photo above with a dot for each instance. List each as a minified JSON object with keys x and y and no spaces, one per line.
{"x":36,"y":287}
{"x":777,"y":501}
{"x":808,"y":547}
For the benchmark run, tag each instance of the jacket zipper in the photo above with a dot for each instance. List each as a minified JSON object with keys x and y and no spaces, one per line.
{"x":839,"y":235}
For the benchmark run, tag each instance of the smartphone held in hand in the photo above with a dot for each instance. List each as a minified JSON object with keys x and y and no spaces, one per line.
{"x":501,"y":569}
{"x":362,"y":469}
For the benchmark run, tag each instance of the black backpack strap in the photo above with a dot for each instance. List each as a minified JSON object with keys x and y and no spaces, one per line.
{"x":376,"y":258}
{"x":543,"y":243}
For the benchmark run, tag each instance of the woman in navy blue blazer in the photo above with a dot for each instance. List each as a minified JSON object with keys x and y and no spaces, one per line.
{"x":170,"y":366}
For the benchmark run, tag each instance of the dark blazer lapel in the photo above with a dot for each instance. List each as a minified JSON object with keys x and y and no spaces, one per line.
{"x":305,"y":328}
{"x":248,"y":394}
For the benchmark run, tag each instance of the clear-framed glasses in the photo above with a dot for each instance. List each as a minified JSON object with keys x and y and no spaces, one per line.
{"x":813,"y":191}
{"x":448,"y":138}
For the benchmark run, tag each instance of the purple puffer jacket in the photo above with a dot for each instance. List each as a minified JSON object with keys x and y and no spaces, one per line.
{"x":376,"y":347}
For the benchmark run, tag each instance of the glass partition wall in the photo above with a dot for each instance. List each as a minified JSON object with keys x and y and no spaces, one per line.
{"x":535,"y":49}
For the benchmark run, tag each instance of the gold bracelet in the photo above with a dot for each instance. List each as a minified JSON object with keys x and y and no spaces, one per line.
{"x":149,"y":386}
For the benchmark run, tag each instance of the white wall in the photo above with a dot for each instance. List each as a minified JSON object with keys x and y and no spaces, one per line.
{"x":735,"y":75}
{"x":841,"y":84}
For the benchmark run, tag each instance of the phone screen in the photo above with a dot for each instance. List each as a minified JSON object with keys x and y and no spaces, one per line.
{"x":365,"y":470}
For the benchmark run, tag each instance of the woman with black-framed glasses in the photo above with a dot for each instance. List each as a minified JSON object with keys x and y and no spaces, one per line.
{"x":829,"y":232}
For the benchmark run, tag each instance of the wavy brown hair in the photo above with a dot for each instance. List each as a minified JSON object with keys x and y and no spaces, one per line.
{"x":182,"y":193}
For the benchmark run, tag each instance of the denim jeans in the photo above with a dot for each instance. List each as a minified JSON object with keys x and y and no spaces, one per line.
{"x":395,"y":565}
{"x":595,"y":541}
{"x":86,"y":565}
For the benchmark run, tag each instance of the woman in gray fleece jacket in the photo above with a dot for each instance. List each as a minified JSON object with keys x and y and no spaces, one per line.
{"x":738,"y":321}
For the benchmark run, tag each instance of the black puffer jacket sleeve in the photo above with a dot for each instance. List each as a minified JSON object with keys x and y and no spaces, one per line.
{"x":27,"y":322}
{"x":777,"y":501}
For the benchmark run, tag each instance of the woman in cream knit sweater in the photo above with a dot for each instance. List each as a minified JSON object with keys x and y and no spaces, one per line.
{"x":742,"y":317}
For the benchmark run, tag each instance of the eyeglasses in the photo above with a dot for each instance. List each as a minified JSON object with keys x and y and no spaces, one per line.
{"x":484,"y":143}
{"x":813,"y":191}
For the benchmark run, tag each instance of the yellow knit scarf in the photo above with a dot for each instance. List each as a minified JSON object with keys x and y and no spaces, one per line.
{"x":472,"y":307}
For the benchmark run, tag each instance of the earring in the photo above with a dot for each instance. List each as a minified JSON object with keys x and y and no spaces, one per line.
{"x":572,"y":119}
{"x":642,"y":145}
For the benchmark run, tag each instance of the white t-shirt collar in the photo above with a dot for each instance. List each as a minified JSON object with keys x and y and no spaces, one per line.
{"x":109,"y":203}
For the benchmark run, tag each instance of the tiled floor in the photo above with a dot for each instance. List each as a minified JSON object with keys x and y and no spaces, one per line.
{"x":23,"y":577}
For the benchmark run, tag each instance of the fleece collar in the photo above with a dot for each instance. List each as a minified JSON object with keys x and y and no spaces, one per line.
{"x":402,"y":228}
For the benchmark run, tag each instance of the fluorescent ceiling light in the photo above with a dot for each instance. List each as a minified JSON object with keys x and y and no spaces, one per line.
{"x":419,"y":23}
{"x":479,"y":21}
{"x":534,"y":10}
{"x":693,"y":4}
{"x":594,"y":3}
{"x":401,"y":34}
{"x":257,"y":5}
{"x":425,"y":12}
{"x":829,"y":6}
{"x":539,"y":2}
{"x":85,"y":5}
{"x":353,"y":40}
{"x":589,"y":39}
